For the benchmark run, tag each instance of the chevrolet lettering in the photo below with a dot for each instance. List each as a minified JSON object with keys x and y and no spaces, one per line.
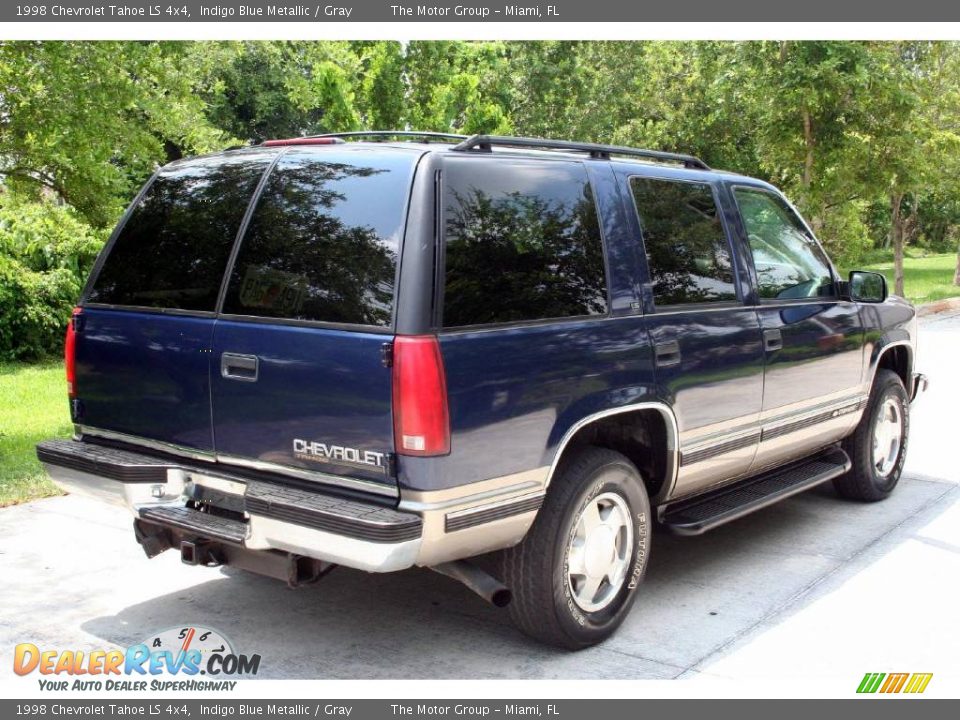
{"x":401,"y":349}
{"x":322,"y":451}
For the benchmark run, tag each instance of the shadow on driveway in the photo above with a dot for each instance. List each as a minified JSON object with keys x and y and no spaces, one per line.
{"x":701,"y":594}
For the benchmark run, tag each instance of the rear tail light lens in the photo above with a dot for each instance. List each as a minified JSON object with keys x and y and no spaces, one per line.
{"x":420,"y":416}
{"x":69,"y":354}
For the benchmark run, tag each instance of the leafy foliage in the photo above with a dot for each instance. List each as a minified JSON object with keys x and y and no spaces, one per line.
{"x":89,"y":121}
{"x":256,"y":91}
{"x":34,"y":308}
{"x":864,"y":136}
{"x":45,"y":255}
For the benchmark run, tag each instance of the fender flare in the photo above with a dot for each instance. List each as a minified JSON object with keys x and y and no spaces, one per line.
{"x":673,"y":441}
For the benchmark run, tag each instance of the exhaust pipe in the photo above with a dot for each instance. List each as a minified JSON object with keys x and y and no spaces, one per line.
{"x":480,"y":581}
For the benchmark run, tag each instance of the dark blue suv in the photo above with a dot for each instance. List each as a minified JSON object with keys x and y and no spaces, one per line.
{"x":502,"y":358}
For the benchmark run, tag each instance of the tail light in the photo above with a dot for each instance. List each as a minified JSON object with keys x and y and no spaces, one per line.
{"x":69,"y":354}
{"x":421,"y":422}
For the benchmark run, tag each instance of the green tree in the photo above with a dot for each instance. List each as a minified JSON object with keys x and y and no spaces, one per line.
{"x":457,"y":87}
{"x":912,"y":138}
{"x":381,"y":100}
{"x":261,"y":90}
{"x":88,"y":121}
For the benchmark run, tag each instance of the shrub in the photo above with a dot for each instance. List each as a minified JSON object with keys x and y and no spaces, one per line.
{"x":45,"y":256}
{"x":45,"y":236}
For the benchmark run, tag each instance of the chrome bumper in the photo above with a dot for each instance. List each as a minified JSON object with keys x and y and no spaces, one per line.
{"x":426,"y":529}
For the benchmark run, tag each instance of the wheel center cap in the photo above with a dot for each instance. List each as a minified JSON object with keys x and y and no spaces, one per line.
{"x":599,"y":552}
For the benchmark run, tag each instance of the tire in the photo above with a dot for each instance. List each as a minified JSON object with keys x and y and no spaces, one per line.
{"x":545,"y":604}
{"x":870,"y":480}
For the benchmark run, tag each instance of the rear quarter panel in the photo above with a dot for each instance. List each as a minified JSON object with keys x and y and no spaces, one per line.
{"x":514,"y":392}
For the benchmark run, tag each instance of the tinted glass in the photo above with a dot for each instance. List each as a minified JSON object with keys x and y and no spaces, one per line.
{"x":687,"y":249}
{"x":322,"y":242}
{"x":789,"y":262}
{"x":522,"y":242}
{"x":173,"y":250}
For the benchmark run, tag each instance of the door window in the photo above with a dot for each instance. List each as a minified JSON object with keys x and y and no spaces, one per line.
{"x":789,"y":262}
{"x":687,"y":248}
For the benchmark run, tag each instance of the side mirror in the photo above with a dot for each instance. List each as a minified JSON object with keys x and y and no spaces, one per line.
{"x":867,"y":287}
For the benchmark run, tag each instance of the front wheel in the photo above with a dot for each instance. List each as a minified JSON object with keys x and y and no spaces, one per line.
{"x":575,"y":574}
{"x":878,"y":447}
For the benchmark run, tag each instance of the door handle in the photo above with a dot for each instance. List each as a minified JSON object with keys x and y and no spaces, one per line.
{"x":667,"y":354}
{"x":239,"y":367}
{"x":772,"y":340}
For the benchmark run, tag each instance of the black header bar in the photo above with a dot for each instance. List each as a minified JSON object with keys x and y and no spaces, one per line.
{"x":578,"y":11}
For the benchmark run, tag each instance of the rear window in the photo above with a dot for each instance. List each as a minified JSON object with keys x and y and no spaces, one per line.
{"x":522,"y":242}
{"x":323,"y":240}
{"x":687,"y":248}
{"x":172,"y":251}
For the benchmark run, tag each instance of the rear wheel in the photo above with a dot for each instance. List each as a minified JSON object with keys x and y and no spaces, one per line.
{"x":878,"y":447}
{"x":574,"y":575}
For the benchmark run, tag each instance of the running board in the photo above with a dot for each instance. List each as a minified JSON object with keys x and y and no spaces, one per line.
{"x":705,"y":512}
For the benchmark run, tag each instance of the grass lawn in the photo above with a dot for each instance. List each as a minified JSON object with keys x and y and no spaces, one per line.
{"x":925,"y":279}
{"x":33,"y":407}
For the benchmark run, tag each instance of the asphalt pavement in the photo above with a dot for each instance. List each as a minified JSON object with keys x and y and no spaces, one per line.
{"x":812,"y":585}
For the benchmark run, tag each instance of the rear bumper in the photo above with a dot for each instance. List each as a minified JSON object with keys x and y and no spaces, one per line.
{"x":260,"y":515}
{"x":919,"y":385}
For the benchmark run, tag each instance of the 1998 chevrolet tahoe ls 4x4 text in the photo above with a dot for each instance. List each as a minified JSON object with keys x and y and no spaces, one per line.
{"x":383,"y":350}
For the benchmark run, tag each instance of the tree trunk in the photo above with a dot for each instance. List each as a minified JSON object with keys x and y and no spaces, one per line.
{"x":808,"y":142}
{"x":897,"y":224}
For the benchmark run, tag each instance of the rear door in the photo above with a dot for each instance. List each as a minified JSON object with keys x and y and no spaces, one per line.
{"x":707,"y":351}
{"x":143,"y":339}
{"x":300,"y":385}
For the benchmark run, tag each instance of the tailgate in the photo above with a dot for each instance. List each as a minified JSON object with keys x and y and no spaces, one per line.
{"x":318,"y":401}
{"x":299,"y":382}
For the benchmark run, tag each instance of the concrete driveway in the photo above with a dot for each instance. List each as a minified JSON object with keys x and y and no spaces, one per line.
{"x":814,"y":585}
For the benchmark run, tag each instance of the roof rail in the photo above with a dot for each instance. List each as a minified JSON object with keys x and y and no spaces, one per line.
{"x":392,"y":133}
{"x":597,"y":151}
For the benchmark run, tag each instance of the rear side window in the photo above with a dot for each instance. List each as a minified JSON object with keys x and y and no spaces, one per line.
{"x":522,"y":242}
{"x":687,"y":248}
{"x":173,"y":249}
{"x":322,"y":242}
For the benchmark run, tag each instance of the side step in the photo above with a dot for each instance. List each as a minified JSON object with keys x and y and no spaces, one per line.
{"x":205,"y":525}
{"x":697,"y":515}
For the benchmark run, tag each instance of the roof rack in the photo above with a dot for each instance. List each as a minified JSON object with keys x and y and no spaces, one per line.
{"x":600,"y":152}
{"x":392,"y":133}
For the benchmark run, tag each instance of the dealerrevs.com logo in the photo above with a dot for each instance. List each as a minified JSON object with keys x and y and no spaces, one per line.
{"x":199,"y":658}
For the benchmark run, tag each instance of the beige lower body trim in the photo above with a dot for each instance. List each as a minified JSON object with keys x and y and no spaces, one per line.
{"x":774,"y":437}
{"x":495,"y":495}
